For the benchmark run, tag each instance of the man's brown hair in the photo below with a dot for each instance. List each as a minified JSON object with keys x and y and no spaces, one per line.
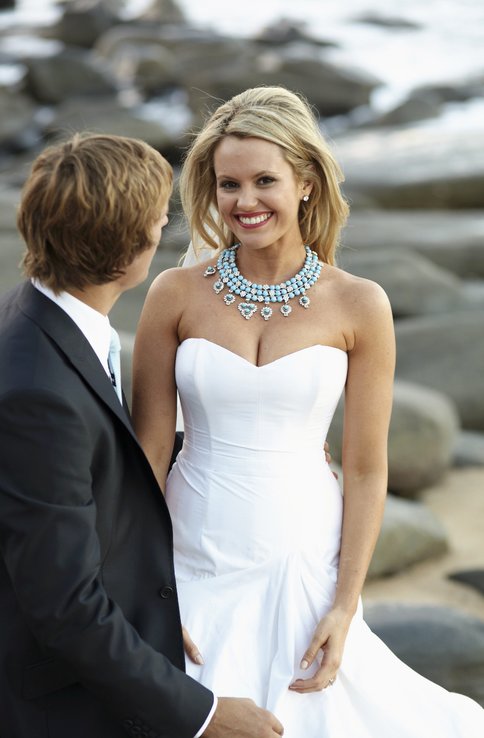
{"x":88,"y":209}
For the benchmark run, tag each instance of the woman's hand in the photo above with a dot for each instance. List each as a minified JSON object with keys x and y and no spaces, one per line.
{"x":328,"y":458}
{"x":191,"y":649}
{"x":329,"y":636}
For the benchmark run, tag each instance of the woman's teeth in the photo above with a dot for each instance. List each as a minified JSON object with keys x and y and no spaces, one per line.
{"x":254,"y":220}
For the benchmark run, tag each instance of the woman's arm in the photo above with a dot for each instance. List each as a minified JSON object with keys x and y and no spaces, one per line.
{"x":154,"y":386}
{"x":368,"y":405}
{"x":368,"y":402}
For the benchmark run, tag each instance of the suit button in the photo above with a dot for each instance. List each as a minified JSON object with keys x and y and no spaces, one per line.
{"x":166,"y":592}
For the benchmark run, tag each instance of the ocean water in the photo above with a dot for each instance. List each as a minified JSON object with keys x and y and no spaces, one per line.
{"x":444,"y":43}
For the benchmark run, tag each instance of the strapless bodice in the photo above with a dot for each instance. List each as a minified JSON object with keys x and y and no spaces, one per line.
{"x":248,"y":415}
{"x":251,"y":482}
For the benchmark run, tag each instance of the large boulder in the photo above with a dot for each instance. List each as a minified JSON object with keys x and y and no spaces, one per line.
{"x":446,"y":353}
{"x":81,"y":22}
{"x":163,"y":11}
{"x":141,"y":55}
{"x":409,"y":111}
{"x":18,"y":125}
{"x":423,"y":428}
{"x":11,"y":251}
{"x":110,"y":116}
{"x":9,"y":200}
{"x":453,"y":240}
{"x":440,"y":643}
{"x":333,"y":90}
{"x":211,"y":65}
{"x":69,"y":73}
{"x":422,"y":434}
{"x":470,"y":577}
{"x":414,"y":166}
{"x":414,"y":285}
{"x":11,"y":244}
{"x":469,"y":449}
{"x":410,"y":533}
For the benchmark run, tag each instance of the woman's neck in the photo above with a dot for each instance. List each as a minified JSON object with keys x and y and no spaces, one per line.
{"x":270,"y":265}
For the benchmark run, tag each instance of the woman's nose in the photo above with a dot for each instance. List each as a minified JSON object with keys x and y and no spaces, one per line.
{"x":247,"y":199}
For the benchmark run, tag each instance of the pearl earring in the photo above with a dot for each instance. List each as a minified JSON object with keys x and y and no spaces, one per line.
{"x":306,"y":198}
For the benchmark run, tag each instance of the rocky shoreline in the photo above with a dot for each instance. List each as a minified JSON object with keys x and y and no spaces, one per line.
{"x":416,"y":188}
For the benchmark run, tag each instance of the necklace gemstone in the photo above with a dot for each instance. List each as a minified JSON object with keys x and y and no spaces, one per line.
{"x":251,"y":293}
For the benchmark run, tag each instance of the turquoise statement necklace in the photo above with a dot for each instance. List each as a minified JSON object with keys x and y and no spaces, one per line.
{"x":252,"y":293}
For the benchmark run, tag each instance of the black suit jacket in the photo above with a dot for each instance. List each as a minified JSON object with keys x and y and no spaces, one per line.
{"x":90,"y":633}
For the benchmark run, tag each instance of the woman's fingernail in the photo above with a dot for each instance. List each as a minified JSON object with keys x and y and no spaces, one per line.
{"x":304,"y":664}
{"x":199,"y":659}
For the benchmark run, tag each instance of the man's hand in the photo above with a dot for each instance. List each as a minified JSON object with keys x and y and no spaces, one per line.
{"x":241,"y":718}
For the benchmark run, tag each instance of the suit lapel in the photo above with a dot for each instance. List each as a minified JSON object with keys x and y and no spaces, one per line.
{"x":74,"y":345}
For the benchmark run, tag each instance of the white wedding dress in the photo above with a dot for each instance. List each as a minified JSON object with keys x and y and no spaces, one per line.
{"x":257,"y":519}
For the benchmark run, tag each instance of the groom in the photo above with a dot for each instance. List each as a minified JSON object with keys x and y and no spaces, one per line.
{"x":90,"y":632}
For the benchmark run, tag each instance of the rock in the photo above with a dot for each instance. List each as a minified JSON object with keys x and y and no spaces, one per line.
{"x":422,"y":434}
{"x":210,"y":65}
{"x":18,"y":127}
{"x":163,"y":11}
{"x":109,"y":116}
{"x":153,"y":69}
{"x":139,"y":55}
{"x":69,"y":73}
{"x":186,"y":41}
{"x":440,"y":643}
{"x":472,"y":577}
{"x":414,"y":166}
{"x":474,"y":293}
{"x":82,"y":22}
{"x":10,"y":257}
{"x":387,"y":21}
{"x":409,"y":111}
{"x":332,"y":90}
{"x":9,"y":200}
{"x":410,"y":533}
{"x":446,"y":353}
{"x":285,"y":31}
{"x":450,"y":92}
{"x":453,"y":240}
{"x":414,"y":285}
{"x":469,"y":449}
{"x":421,"y":439}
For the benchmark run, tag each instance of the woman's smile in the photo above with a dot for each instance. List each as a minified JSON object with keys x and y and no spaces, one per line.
{"x":253,"y":220}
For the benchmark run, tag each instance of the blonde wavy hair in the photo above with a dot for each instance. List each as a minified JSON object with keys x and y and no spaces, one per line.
{"x":88,"y":208}
{"x":282,"y":117}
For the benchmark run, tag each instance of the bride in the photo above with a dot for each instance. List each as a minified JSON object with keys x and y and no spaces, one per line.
{"x":260,"y":341}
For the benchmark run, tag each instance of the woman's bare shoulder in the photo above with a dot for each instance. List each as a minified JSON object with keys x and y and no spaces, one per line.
{"x":177,"y":281}
{"x":359,"y":292}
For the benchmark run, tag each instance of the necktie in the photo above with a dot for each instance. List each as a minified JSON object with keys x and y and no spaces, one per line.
{"x":114,"y":363}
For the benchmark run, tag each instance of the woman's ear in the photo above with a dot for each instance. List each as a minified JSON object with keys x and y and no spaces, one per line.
{"x":307,"y":184}
{"x":306,"y":189}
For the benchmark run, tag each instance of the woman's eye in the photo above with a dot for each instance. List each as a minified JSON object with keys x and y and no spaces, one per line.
{"x":266,"y":180}
{"x":228,"y":185}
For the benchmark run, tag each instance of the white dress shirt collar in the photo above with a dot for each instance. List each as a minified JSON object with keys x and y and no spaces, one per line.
{"x":94,"y":325}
